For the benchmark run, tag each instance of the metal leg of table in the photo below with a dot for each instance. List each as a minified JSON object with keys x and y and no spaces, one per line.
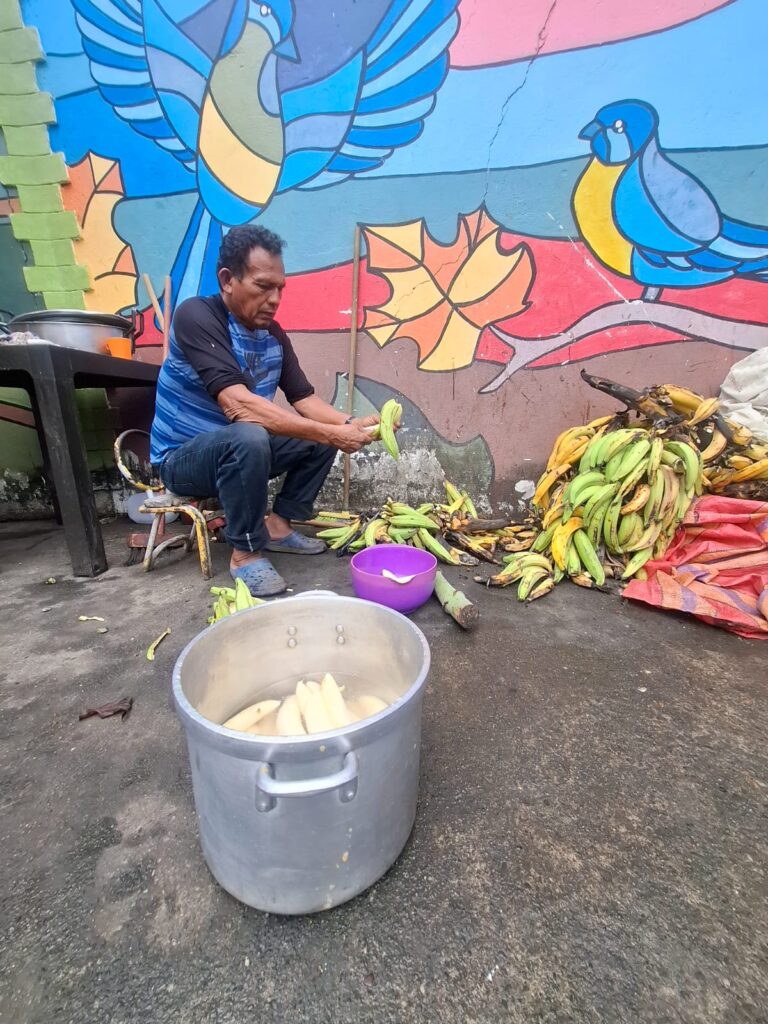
{"x":69,"y":471}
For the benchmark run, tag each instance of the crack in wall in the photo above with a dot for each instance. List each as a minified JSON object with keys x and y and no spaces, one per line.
{"x":540,"y":41}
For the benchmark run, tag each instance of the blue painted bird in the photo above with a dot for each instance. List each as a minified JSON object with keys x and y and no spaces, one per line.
{"x":650,"y":220}
{"x":255,"y":99}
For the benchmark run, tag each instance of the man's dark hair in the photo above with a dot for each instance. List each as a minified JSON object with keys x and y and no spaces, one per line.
{"x":237,"y":244}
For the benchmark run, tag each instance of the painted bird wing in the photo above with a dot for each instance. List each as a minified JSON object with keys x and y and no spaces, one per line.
{"x":351,"y":117}
{"x":662,"y":209}
{"x":138,"y":58}
{"x":675,"y":224}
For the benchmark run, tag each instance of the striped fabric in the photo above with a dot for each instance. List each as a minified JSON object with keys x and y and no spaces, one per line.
{"x":717,"y":567}
{"x":183,"y":407}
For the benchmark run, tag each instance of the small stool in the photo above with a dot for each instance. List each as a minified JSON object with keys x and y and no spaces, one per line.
{"x":158,"y":503}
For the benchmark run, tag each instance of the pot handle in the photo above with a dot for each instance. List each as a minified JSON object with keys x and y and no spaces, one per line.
{"x":268,"y":788}
{"x":137,"y":324}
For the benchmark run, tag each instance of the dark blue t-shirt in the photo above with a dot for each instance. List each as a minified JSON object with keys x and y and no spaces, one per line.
{"x":210,"y":350}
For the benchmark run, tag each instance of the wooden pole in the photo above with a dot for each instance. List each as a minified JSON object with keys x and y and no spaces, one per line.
{"x":352,"y":352}
{"x":153,"y":300}
{"x":166,"y":316}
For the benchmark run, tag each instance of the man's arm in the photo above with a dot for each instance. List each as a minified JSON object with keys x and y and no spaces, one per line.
{"x":315,"y":408}
{"x":239,"y":405}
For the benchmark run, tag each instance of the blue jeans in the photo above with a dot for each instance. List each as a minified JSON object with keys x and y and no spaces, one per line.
{"x":236,"y":463}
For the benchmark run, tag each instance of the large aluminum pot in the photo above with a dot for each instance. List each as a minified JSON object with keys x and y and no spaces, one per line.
{"x":296,"y":825}
{"x":76,"y":328}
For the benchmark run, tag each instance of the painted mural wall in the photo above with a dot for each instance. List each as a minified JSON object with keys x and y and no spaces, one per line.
{"x":540,"y":184}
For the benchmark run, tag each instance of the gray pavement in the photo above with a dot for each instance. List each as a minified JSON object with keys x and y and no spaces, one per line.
{"x":590,"y":843}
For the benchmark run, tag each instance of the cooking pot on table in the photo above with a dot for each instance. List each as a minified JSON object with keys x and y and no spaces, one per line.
{"x":77,"y":328}
{"x":299,"y":824}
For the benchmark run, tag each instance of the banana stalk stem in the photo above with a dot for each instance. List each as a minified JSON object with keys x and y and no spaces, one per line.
{"x":474,"y":549}
{"x":631,"y":398}
{"x":455,"y":603}
{"x":485,"y":525}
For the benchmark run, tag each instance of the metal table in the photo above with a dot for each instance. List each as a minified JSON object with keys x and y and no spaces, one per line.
{"x":51,"y":374}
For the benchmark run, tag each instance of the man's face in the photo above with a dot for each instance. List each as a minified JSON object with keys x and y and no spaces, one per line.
{"x":254,"y":298}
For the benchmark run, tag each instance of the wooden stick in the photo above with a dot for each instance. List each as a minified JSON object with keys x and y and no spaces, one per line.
{"x":455,"y":603}
{"x":166,"y":316}
{"x":352,"y":351}
{"x":153,"y":299}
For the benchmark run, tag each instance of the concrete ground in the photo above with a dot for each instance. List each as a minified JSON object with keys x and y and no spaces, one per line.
{"x":590,"y":844}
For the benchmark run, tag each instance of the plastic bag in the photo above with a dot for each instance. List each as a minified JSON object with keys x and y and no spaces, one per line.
{"x":744,"y":393}
{"x":18,"y":338}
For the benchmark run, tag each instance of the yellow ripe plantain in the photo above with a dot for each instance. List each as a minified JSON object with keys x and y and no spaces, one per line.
{"x":541,"y":495}
{"x":554,"y":509}
{"x":638,"y":500}
{"x":561,"y":539}
{"x":518,"y":545}
{"x":567,"y":440}
{"x":573,"y":454}
{"x":717,"y":445}
{"x":721,"y":478}
{"x":740,"y":436}
{"x":484,"y":540}
{"x":582,"y":579}
{"x":601,"y":421}
{"x":756,"y":471}
{"x":335,"y":515}
{"x":739,"y":461}
{"x":705,"y":410}
{"x":683,"y":399}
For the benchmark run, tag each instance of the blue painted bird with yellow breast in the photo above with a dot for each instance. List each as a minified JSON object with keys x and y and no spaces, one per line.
{"x":652,"y":221}
{"x":255,"y":99}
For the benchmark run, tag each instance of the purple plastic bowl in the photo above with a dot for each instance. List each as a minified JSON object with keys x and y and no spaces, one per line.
{"x":402,"y":560}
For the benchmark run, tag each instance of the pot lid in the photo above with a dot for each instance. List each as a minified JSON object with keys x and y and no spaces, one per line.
{"x":72,"y":316}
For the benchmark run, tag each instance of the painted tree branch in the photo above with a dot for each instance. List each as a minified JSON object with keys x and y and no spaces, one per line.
{"x":681,"y":319}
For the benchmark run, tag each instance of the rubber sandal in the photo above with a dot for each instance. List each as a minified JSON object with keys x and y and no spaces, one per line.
{"x":297,"y":544}
{"x":261,"y":578}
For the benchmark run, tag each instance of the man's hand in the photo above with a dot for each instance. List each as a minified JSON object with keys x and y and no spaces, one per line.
{"x":372,"y":421}
{"x":366,"y":421}
{"x":350,"y":437}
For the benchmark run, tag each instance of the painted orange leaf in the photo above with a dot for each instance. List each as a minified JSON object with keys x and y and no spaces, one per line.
{"x":444,"y":296}
{"x":95,"y":188}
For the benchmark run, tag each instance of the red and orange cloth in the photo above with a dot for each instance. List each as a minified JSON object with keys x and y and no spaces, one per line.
{"x":716,"y":567}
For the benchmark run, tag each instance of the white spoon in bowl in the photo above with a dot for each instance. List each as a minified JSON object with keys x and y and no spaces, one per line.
{"x":397,"y":579}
